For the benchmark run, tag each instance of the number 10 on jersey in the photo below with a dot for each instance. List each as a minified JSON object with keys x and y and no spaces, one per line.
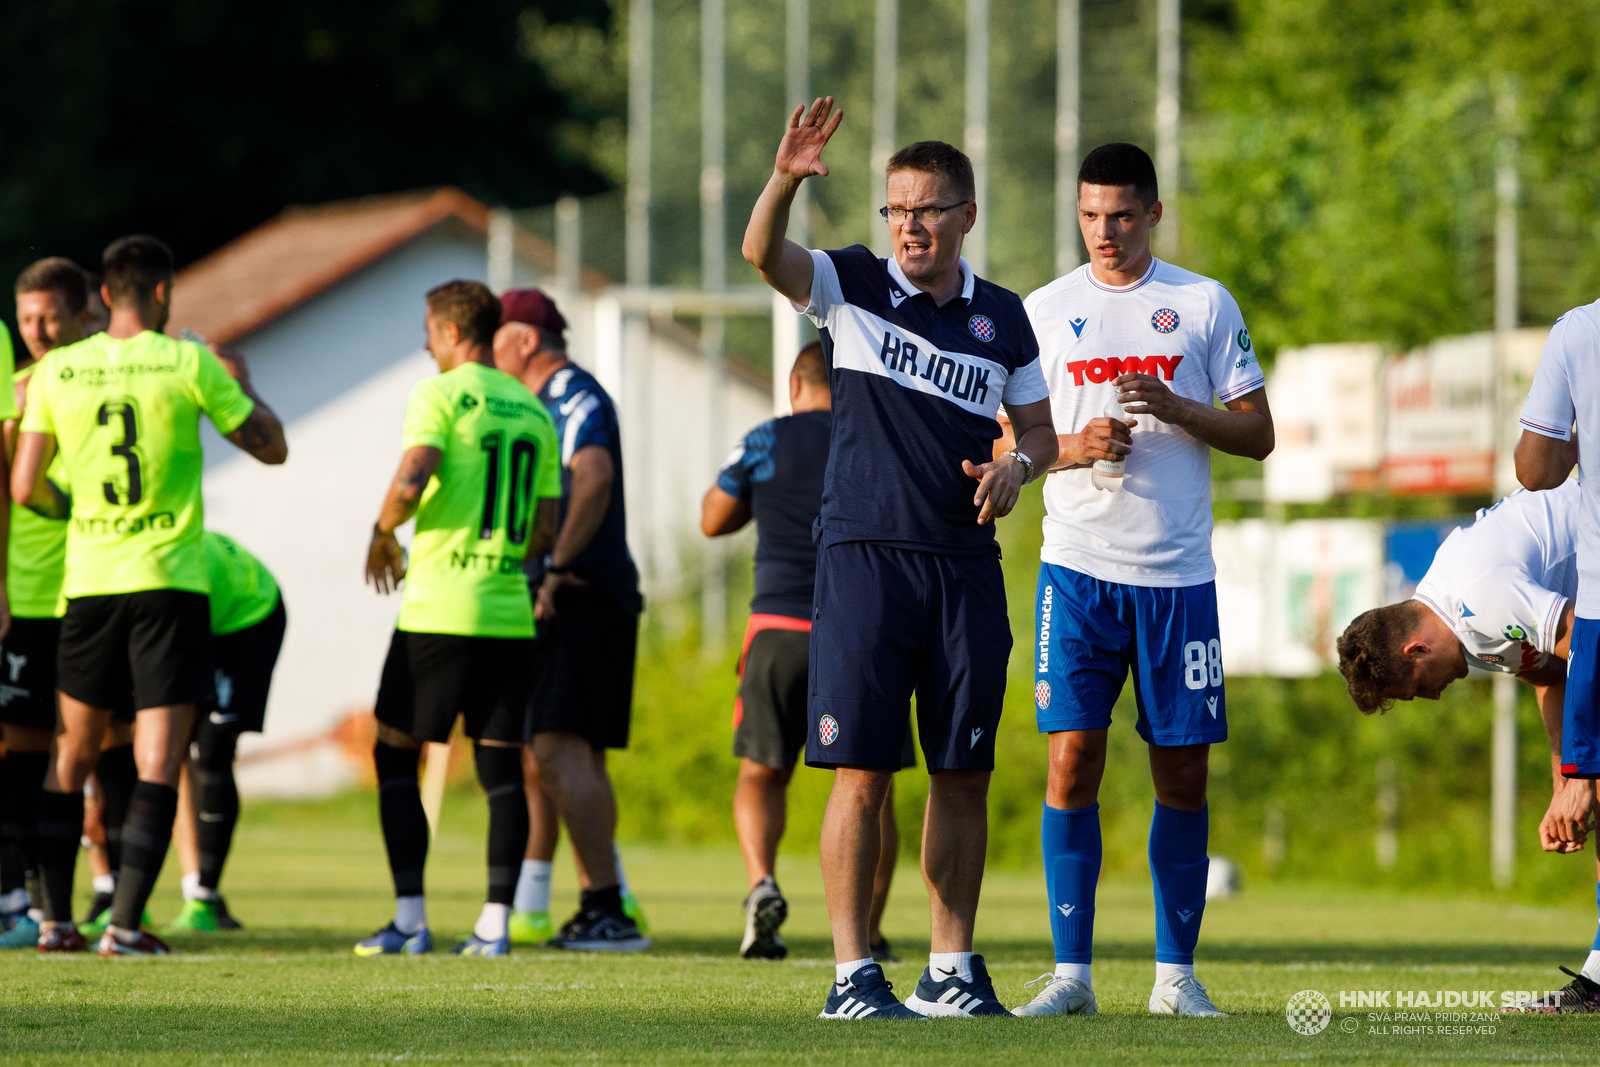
{"x":519,"y":503}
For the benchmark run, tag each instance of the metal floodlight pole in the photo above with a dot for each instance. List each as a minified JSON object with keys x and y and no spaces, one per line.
{"x":501,"y":231}
{"x":885,"y":56}
{"x":1503,"y":779}
{"x":569,"y":248}
{"x":633,"y":334}
{"x":797,"y":90}
{"x":1169,"y":21}
{"x":714,"y":277}
{"x":1068,"y":96}
{"x":976,"y":134}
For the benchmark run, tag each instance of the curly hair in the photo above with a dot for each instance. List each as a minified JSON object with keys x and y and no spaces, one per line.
{"x":1370,"y":656}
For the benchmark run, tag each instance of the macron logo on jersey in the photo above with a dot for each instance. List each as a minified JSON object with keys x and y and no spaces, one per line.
{"x":1103,"y":370}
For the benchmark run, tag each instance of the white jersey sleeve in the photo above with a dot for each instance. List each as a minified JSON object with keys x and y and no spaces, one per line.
{"x":1512,"y":618}
{"x":1231,"y":358}
{"x":826,"y":292}
{"x":1549,"y":409}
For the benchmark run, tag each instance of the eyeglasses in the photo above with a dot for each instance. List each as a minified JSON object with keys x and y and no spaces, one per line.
{"x":928,"y":216}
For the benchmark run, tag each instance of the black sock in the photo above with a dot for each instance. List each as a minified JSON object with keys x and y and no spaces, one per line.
{"x":146,"y":836}
{"x":608,"y":900}
{"x":405,"y":825}
{"x":60,"y":829}
{"x":117,"y":775}
{"x":19,"y":825}
{"x":500,"y":774}
{"x":216,"y":799}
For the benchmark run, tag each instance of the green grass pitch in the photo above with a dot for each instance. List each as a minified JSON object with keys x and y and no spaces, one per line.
{"x":309,"y":880}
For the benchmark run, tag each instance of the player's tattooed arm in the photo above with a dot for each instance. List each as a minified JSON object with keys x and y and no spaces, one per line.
{"x":546,"y":521}
{"x":385,"y":558}
{"x":261,"y":433}
{"x":1241,"y":427}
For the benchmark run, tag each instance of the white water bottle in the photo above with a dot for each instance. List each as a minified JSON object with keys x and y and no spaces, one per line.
{"x":1106,"y":473}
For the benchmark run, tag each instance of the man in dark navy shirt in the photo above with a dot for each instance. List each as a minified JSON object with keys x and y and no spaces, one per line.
{"x":774,"y":476}
{"x":909,"y":595}
{"x":586,"y":603}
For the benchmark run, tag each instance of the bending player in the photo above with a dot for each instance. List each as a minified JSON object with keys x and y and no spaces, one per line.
{"x":775,"y":477}
{"x":587,"y":601}
{"x":247,"y":624}
{"x":909,"y":595}
{"x":1126,"y":576}
{"x":52,"y":312}
{"x":123,"y":408}
{"x":480,"y":473}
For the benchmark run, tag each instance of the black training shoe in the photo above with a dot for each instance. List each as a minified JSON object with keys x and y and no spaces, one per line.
{"x":764,"y":911}
{"x":1579,"y":997}
{"x":599,"y":930}
{"x":881,"y":952}
{"x":945,"y":994}
{"x":867,"y":994}
{"x":226,"y":921}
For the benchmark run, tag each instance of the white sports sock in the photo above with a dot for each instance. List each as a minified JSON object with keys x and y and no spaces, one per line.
{"x":410,"y":913}
{"x":491,"y":924}
{"x":843,"y":971}
{"x":1591,"y":969}
{"x":1080,"y":971}
{"x":622,"y":879}
{"x":105,"y":883}
{"x":190,"y":884}
{"x":1166,"y":972}
{"x":36,"y":914}
{"x":533,"y":886}
{"x":943,"y":963}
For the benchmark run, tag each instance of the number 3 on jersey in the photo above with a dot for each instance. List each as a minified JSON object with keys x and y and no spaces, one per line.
{"x":520,"y":505}
{"x":1202,"y":664}
{"x":123,"y":409}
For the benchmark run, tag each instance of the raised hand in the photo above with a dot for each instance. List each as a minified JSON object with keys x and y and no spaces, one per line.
{"x":800,"y":153}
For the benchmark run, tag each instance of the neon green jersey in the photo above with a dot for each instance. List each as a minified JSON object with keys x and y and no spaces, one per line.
{"x":126,"y":417}
{"x":243,"y":591}
{"x":37,"y":553}
{"x":8,"y":362}
{"x":477,"y":512}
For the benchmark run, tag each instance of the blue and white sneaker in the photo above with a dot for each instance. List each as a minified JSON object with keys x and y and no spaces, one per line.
{"x":477,"y":946}
{"x":867,"y":994}
{"x":390,"y":941}
{"x":948,"y":995}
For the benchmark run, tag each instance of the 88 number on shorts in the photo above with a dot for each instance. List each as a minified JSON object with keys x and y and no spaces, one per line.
{"x":1202,"y":664}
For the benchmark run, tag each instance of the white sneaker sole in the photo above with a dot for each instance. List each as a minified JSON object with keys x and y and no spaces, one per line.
{"x":935,"y":1010}
{"x":1158,"y":1006}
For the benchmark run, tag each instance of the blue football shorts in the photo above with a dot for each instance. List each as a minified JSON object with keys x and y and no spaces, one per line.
{"x":889,"y":622}
{"x":1580,"y":715}
{"x":1090,"y":633}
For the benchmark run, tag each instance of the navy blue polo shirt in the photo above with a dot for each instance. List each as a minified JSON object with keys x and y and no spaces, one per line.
{"x":777,"y":469}
{"x":584,"y":416}
{"x":916,"y":388}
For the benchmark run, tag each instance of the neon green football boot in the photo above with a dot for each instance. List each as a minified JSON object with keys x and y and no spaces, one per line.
{"x":631,"y":908}
{"x":530,"y":927}
{"x":197,"y":917}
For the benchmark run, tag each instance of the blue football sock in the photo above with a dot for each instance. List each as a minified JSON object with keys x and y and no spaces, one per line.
{"x":1596,"y":946}
{"x":1178,"y":866}
{"x":1071,"y":842}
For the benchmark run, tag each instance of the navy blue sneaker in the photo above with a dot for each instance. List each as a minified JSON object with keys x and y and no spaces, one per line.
{"x":946,"y":995}
{"x":477,"y":946}
{"x":390,"y":941}
{"x":867,"y":994}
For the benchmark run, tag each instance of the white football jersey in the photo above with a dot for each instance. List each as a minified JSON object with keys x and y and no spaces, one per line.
{"x":1183,"y":328}
{"x":1503,"y":583}
{"x":1566,"y":389}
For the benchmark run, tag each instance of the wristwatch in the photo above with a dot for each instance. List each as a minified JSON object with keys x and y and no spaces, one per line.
{"x":1027,"y":465}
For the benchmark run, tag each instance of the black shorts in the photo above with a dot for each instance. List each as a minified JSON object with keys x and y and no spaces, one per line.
{"x":244,"y":663}
{"x":28,"y":673}
{"x":429,"y":679}
{"x":769,"y":715}
{"x":153,"y":646}
{"x":583,"y":668}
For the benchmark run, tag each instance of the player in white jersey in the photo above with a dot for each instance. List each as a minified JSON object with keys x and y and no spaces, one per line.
{"x":1126,"y":576}
{"x":1561,"y":427}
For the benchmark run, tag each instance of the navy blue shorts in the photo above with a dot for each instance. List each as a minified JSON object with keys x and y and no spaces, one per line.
{"x":1090,"y":633}
{"x":889,"y":622}
{"x":1580,"y":715}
